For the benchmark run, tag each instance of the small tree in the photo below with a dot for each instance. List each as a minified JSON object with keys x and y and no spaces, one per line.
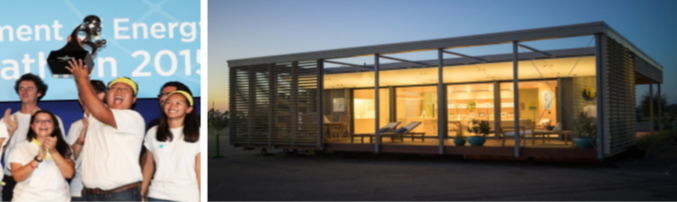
{"x":217,"y":120}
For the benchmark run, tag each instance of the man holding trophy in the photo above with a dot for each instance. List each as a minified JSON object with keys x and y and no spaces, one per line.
{"x":110,"y":164}
{"x":110,"y":168}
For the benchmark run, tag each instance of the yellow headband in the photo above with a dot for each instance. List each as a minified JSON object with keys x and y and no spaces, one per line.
{"x":184,"y":93}
{"x":124,"y":80}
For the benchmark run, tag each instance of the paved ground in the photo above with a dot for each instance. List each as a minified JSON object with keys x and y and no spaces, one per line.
{"x":247,"y":175}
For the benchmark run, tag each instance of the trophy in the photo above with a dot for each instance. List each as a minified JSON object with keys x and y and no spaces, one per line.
{"x":58,"y":60}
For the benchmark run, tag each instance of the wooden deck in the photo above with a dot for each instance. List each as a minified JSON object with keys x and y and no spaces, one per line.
{"x":551,"y":148}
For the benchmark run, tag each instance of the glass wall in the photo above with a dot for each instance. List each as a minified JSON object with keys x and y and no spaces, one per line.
{"x":417,"y":104}
{"x":537,"y":102}
{"x":364,"y":109}
{"x":471,"y":94}
{"x":467,"y":102}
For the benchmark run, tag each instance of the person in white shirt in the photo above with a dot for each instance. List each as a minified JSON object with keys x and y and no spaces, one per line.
{"x":30,"y":89}
{"x":42,"y":163}
{"x":76,"y":138}
{"x":4,"y":135}
{"x":173,"y":152}
{"x":110,"y":155}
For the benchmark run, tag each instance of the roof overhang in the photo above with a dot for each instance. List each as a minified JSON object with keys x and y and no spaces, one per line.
{"x":455,"y":42}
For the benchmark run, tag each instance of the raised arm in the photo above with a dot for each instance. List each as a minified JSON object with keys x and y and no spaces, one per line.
{"x":89,"y":100}
{"x":79,"y":142}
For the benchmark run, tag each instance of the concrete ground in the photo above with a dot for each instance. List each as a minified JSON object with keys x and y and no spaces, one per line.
{"x":248,"y":175}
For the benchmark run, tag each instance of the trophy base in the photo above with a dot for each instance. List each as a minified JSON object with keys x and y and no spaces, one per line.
{"x":58,"y":61}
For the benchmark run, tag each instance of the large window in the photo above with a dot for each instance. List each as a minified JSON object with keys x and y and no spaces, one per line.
{"x":364,"y":109}
{"x":467,"y":102}
{"x":418,"y":104}
{"x":537,"y":102}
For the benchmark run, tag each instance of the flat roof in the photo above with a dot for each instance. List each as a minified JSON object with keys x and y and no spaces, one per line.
{"x":561,"y":53}
{"x":455,"y":42}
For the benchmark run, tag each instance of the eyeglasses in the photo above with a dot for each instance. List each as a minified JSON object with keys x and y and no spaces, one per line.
{"x":43,"y":121}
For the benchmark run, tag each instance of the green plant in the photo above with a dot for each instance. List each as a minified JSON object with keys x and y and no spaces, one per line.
{"x":484,"y":128}
{"x":584,"y":126}
{"x":460,"y":136}
{"x":479,"y":127}
{"x":217,"y":120}
{"x":472,"y":105}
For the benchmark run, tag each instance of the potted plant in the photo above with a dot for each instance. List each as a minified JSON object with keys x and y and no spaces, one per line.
{"x":459,"y":140}
{"x":480,"y":132}
{"x":585,"y":131}
{"x":472,"y":105}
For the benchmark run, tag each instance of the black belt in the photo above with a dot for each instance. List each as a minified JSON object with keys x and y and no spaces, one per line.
{"x":114,"y":190}
{"x":8,"y":178}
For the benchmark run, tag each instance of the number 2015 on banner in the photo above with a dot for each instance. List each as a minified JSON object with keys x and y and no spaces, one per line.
{"x":139,"y":71}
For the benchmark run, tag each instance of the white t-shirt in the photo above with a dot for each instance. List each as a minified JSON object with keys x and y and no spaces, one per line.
{"x":45,"y":183}
{"x":3,"y":134}
{"x":110,"y":156}
{"x":73,"y":135}
{"x":175,"y":178}
{"x":24,"y":125}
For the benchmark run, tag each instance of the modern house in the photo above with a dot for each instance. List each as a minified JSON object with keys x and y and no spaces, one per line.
{"x":293,"y":101}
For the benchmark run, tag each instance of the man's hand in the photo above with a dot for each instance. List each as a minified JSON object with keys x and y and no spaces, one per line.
{"x":12,"y":124}
{"x":79,"y":70}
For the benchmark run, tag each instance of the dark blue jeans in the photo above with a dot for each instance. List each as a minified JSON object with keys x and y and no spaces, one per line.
{"x":129,"y":195}
{"x":157,"y":199}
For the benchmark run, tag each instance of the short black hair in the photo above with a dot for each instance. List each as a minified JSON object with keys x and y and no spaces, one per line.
{"x":98,"y":86}
{"x":42,"y":87}
{"x":177,"y":85}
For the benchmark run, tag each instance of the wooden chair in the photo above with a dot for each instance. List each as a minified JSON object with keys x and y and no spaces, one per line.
{"x":507,"y":130}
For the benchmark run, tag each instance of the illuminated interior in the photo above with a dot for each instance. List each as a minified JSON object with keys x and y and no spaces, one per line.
{"x":536,"y":69}
{"x":364,"y":109}
{"x":470,"y":93}
{"x":418,"y":104}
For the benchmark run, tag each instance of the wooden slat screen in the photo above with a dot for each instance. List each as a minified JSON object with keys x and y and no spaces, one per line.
{"x":275,"y":104}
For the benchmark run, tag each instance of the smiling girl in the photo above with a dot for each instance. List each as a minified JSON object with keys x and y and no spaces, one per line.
{"x":173,"y":157}
{"x":42,"y":163}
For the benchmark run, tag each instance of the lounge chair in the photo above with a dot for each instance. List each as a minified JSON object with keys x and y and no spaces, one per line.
{"x":385,"y":129}
{"x":405,"y":131}
{"x":400,"y":132}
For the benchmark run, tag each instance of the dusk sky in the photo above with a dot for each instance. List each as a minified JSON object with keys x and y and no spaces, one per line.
{"x":256,"y":28}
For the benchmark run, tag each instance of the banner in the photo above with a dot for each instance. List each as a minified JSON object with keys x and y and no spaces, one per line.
{"x":150,"y":41}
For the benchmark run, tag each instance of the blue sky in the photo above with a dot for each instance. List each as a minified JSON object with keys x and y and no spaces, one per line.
{"x":255,"y":28}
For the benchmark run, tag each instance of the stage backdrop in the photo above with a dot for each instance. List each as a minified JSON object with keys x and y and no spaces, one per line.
{"x":151,"y":41}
